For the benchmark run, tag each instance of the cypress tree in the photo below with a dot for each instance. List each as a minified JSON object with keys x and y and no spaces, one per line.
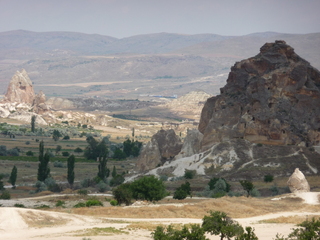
{"x":114,"y":172}
{"x":33,"y":123}
{"x":13,"y":176}
{"x":103,"y":171}
{"x":43,"y":168}
{"x":70,"y":176}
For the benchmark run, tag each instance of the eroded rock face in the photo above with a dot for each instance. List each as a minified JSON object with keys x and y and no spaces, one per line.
{"x":39,"y":103}
{"x":297,"y":182}
{"x":191,"y":144}
{"x":164,"y":146}
{"x":271,"y":98}
{"x":20,"y":89}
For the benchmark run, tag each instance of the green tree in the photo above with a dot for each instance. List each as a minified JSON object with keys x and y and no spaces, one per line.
{"x":70,"y":174}
{"x":188,"y":232}
{"x":247,"y":186}
{"x":103,"y":171}
{"x":117,"y":180}
{"x":58,"y":149}
{"x":13,"y":176}
{"x":114,"y":172}
{"x":123,"y":193}
{"x":118,"y":154}
{"x":148,"y":188}
{"x":214,"y":180}
{"x":182,"y":192}
{"x":218,"y":223}
{"x":56,"y":135}
{"x":1,"y":183}
{"x":308,"y":230}
{"x":248,"y":234}
{"x":189,"y":174}
{"x":95,"y":149}
{"x":33,"y":123}
{"x":268,"y":178}
{"x":43,"y":168}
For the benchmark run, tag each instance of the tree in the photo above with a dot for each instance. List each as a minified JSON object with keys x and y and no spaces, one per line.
{"x":248,"y":234}
{"x":33,"y":123}
{"x":13,"y":176}
{"x":213,"y":182}
{"x":123,"y":193}
{"x":56,"y":135}
{"x":182,"y":192}
{"x":70,"y":175}
{"x":218,"y":223}
{"x":95,"y":149}
{"x":247,"y":186}
{"x":117,"y":180}
{"x":114,"y":172}
{"x":118,"y":154}
{"x":188,"y":232}
{"x":268,"y":178}
{"x":1,"y":183}
{"x":103,"y":172}
{"x":189,"y":174}
{"x":58,"y":149}
{"x":148,"y":188}
{"x":43,"y":168}
{"x":307,"y":230}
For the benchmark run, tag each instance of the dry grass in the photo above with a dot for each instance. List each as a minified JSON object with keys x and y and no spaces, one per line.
{"x":42,"y":219}
{"x":240,"y":207}
{"x":100,"y":232}
{"x":291,"y":219}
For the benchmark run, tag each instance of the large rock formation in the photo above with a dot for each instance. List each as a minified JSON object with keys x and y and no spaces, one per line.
{"x":191,"y":144}
{"x":298,"y":182}
{"x":39,"y":103}
{"x":20,"y":89}
{"x":164,"y":146}
{"x":271,"y":98}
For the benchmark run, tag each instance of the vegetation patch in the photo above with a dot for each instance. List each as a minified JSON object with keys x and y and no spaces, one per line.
{"x":42,"y":219}
{"x":100,"y":232}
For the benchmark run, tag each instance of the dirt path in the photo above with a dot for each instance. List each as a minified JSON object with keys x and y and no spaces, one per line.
{"x":64,"y":226}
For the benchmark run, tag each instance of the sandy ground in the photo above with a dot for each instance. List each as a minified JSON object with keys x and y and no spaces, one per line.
{"x":14,"y":224}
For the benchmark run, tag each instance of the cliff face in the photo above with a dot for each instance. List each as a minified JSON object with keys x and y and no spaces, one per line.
{"x":272,"y":98}
{"x":20,"y":89}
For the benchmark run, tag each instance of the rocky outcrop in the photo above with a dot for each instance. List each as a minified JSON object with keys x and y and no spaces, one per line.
{"x":298,"y":182}
{"x":60,"y":103}
{"x":164,"y":146}
{"x":39,"y":103}
{"x":20,"y":89}
{"x":26,"y":117}
{"x":240,"y":159}
{"x":191,"y":144}
{"x":271,"y":98}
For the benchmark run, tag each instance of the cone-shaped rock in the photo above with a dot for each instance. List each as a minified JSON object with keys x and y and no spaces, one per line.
{"x":297,"y":182}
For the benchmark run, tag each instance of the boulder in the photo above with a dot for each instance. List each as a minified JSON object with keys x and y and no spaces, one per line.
{"x":39,"y":105}
{"x":164,"y":146}
{"x":271,"y":98}
{"x":297,"y":182}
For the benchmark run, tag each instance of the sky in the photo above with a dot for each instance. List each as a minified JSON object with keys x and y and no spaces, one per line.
{"x":125,"y":18}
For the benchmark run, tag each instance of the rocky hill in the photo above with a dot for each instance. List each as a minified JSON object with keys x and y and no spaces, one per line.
{"x":265,"y":121}
{"x":271,"y":98}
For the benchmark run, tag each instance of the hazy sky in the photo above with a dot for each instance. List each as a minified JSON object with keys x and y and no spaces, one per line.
{"x":124,"y":18}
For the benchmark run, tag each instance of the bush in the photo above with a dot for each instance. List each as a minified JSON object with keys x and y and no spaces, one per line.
{"x":60,"y":203}
{"x":83,"y":192}
{"x":180,"y":194}
{"x":268,"y":178}
{"x":27,"y":142}
{"x":78,"y":150}
{"x":123,"y":194}
{"x":189,"y":174}
{"x":114,"y":202}
{"x":213,"y":181}
{"x":5,"y":195}
{"x":58,"y":164}
{"x":102,"y":186}
{"x":93,"y":202}
{"x":87,"y":183}
{"x":66,"y":137}
{"x":117,"y":180}
{"x":52,"y":185}
{"x":29,"y":153}
{"x":148,"y":188}
{"x":41,"y":186}
{"x":79,"y":205}
{"x":65,"y":154}
{"x":19,"y":205}
{"x":42,"y":206}
{"x":188,"y":232}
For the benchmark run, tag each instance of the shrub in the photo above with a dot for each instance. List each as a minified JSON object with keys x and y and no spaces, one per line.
{"x":93,"y":202}
{"x":5,"y":195}
{"x":27,"y":142}
{"x":60,"y":203}
{"x":188,"y":232}
{"x":247,"y":186}
{"x":19,"y":205}
{"x":123,"y":194}
{"x":117,"y":180}
{"x":87,"y":183}
{"x":213,"y":182}
{"x":148,"y":188}
{"x":102,"y":186}
{"x":52,"y":185}
{"x":78,"y":150}
{"x":58,"y":164}
{"x":114,"y":202}
{"x":83,"y":192}
{"x":66,"y":137}
{"x":65,"y":154}
{"x":268,"y":178}
{"x":180,"y":194}
{"x":42,"y":206}
{"x":29,"y":153}
{"x":189,"y":174}
{"x":79,"y":205}
{"x":41,"y":186}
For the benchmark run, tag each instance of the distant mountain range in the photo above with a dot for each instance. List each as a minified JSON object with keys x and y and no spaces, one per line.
{"x":155,"y":64}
